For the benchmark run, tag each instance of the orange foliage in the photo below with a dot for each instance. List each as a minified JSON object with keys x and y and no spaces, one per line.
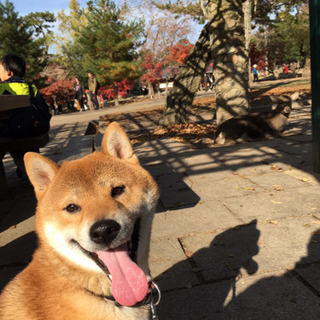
{"x":180,"y":51}
{"x":61,"y":90}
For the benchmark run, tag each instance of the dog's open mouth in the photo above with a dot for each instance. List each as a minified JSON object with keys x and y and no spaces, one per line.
{"x":129,"y":283}
{"x":132,"y":247}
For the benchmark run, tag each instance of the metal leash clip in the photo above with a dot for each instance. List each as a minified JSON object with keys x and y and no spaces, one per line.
{"x":154,"y":290}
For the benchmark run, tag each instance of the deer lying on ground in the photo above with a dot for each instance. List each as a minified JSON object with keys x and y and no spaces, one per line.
{"x":258,"y":125}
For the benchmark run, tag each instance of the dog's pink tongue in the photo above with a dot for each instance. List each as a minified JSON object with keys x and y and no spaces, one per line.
{"x":129,"y":283}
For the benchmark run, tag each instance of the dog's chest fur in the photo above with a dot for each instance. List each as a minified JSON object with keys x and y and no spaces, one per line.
{"x":58,"y":298}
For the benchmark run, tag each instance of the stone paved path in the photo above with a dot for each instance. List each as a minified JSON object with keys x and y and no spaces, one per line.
{"x":237,"y":232}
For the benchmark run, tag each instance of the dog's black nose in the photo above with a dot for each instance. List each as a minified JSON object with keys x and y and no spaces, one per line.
{"x":104,"y":231}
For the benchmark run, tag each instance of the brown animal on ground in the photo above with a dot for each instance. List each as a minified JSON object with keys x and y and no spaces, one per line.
{"x":93,"y":221}
{"x":259,"y":125}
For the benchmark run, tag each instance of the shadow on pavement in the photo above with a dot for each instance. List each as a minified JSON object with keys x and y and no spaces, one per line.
{"x":216,"y":268}
{"x":174,"y":192}
{"x":16,"y":254}
{"x":19,"y":205}
{"x":219,"y":268}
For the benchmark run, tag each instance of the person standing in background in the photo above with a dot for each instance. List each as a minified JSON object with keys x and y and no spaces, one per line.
{"x":255,"y":73}
{"x":23,"y":122}
{"x":285,"y":70}
{"x":93,"y":87}
{"x":79,"y":94}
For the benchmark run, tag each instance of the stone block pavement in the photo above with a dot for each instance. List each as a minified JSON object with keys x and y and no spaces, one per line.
{"x":237,"y":231}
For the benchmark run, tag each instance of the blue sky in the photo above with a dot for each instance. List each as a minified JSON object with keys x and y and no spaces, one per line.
{"x":26,"y":6}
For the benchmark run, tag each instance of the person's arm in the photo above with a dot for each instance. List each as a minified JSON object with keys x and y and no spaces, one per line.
{"x":95,"y":85}
{"x":90,"y":85}
{"x":81,"y":90}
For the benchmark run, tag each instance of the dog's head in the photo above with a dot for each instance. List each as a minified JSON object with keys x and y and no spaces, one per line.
{"x":96,"y":212}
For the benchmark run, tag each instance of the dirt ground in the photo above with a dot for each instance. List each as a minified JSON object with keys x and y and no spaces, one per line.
{"x":199,"y":135}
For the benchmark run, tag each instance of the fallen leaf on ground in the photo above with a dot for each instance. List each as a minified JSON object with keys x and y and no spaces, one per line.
{"x":273,"y":222}
{"x":278,"y":202}
{"x":191,"y":134}
{"x":274,"y":167}
{"x":278,"y":187}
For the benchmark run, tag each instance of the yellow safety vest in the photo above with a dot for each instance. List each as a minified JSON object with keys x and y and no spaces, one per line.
{"x":16,"y":88}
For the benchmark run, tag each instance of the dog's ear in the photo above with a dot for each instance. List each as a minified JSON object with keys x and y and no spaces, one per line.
{"x":40,"y":170}
{"x":116,"y":143}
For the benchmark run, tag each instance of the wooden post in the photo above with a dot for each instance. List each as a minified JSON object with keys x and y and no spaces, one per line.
{"x":3,"y":180}
{"x":314,"y":8}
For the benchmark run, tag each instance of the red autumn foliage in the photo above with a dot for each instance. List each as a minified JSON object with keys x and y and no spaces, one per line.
{"x":60,"y":90}
{"x":256,"y":57}
{"x":123,"y":87}
{"x":154,"y":64}
{"x":180,"y":51}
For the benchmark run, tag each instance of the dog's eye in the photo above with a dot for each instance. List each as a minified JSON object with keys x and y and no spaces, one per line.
{"x":72,"y":208}
{"x":117,"y":191}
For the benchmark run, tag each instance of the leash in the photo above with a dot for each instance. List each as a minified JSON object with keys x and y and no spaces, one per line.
{"x":154,"y":291}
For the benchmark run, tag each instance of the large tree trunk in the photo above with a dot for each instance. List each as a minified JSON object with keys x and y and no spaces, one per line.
{"x":116,"y":94}
{"x":247,"y":10}
{"x":230,"y":59}
{"x":187,"y":81}
{"x":223,"y":40}
{"x":150,"y":90}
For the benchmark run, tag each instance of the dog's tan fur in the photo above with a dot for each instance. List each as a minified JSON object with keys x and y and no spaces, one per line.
{"x":61,"y":282}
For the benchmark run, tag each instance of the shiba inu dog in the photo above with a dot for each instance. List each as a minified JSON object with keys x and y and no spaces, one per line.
{"x":262,"y":125}
{"x":93,"y":222}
